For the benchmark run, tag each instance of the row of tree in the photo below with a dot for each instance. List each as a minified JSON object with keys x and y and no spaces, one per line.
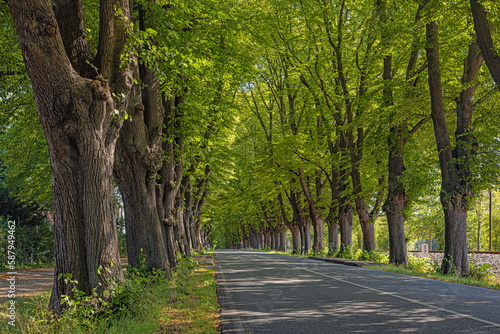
{"x":129,"y":93}
{"x":344,"y":117}
{"x":335,"y":101}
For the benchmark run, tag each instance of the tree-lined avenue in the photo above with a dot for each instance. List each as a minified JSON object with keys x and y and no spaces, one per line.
{"x":268,"y":293}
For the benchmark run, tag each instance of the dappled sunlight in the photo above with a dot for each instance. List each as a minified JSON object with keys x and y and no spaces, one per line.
{"x":295,"y":295}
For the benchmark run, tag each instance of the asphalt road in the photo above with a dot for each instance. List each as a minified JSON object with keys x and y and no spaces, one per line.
{"x":268,"y":293}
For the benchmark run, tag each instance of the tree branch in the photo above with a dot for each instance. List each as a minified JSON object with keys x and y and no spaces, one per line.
{"x":70,"y":18}
{"x":484,"y":40}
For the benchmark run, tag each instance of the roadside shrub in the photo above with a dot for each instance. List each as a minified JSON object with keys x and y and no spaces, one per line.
{"x":481,"y":272}
{"x":420,"y":264}
{"x":372,"y":256}
{"x":344,"y":252}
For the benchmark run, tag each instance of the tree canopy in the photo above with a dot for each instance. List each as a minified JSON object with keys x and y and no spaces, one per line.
{"x":244,"y":123}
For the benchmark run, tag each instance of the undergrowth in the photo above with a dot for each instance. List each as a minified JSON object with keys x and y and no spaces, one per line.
{"x":143,"y":303}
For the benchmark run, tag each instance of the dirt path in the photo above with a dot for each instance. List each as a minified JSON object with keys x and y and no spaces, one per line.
{"x":33,"y":282}
{"x":28,"y":282}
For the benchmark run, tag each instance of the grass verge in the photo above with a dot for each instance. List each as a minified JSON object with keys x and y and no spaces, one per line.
{"x":490,"y":284}
{"x":480,"y":276}
{"x":184,"y":303}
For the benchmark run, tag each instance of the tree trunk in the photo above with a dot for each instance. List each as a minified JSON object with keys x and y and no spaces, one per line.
{"x":367,"y":226}
{"x":456,"y":249}
{"x":77,"y":115}
{"x":396,"y":202}
{"x":295,"y":240}
{"x":139,"y":156}
{"x":144,"y":232}
{"x":291,"y":225}
{"x":344,"y":206}
{"x":282,"y":238}
{"x":345,"y":225}
{"x":333,"y":238}
{"x":313,"y":214}
{"x":456,"y":186}
{"x":179,"y":228}
{"x":397,"y":240}
{"x":170,"y":174}
{"x":306,"y":226}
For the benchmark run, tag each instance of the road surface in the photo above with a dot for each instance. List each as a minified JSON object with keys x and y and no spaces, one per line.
{"x":269,"y":293}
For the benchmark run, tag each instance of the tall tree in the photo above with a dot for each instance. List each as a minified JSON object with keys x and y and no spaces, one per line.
{"x":456,"y":187}
{"x":81,"y":121}
{"x":396,"y":203}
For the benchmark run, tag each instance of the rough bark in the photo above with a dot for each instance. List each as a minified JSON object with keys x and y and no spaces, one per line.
{"x":345,"y":224}
{"x":170,"y":174}
{"x":77,"y":115}
{"x":456,"y":186}
{"x":396,"y":202}
{"x":138,"y":159}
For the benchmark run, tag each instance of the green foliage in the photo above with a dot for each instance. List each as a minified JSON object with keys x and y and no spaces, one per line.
{"x":421,"y":265}
{"x":33,"y":234}
{"x":372,"y":256}
{"x":87,"y":311}
{"x":23,"y":149}
{"x":481,"y":272}
{"x":144,"y":303}
{"x":344,"y":252}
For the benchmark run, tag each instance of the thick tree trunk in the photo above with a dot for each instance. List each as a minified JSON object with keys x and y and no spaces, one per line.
{"x":333,"y":237}
{"x":170,"y":174}
{"x":368,"y":231}
{"x":295,"y":239}
{"x":139,"y":156}
{"x":77,"y":115}
{"x":300,"y":218}
{"x":456,"y":186}
{"x":398,"y":254}
{"x":179,"y":228}
{"x":396,"y":202}
{"x":345,"y":225}
{"x":144,"y":232}
{"x":199,"y":238}
{"x":456,"y":249}
{"x":313,"y":214}
{"x":367,"y":226}
{"x":172,"y":249}
{"x":282,"y":238}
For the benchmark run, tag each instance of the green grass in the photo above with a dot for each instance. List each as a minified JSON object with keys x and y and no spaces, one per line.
{"x":185,"y":303}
